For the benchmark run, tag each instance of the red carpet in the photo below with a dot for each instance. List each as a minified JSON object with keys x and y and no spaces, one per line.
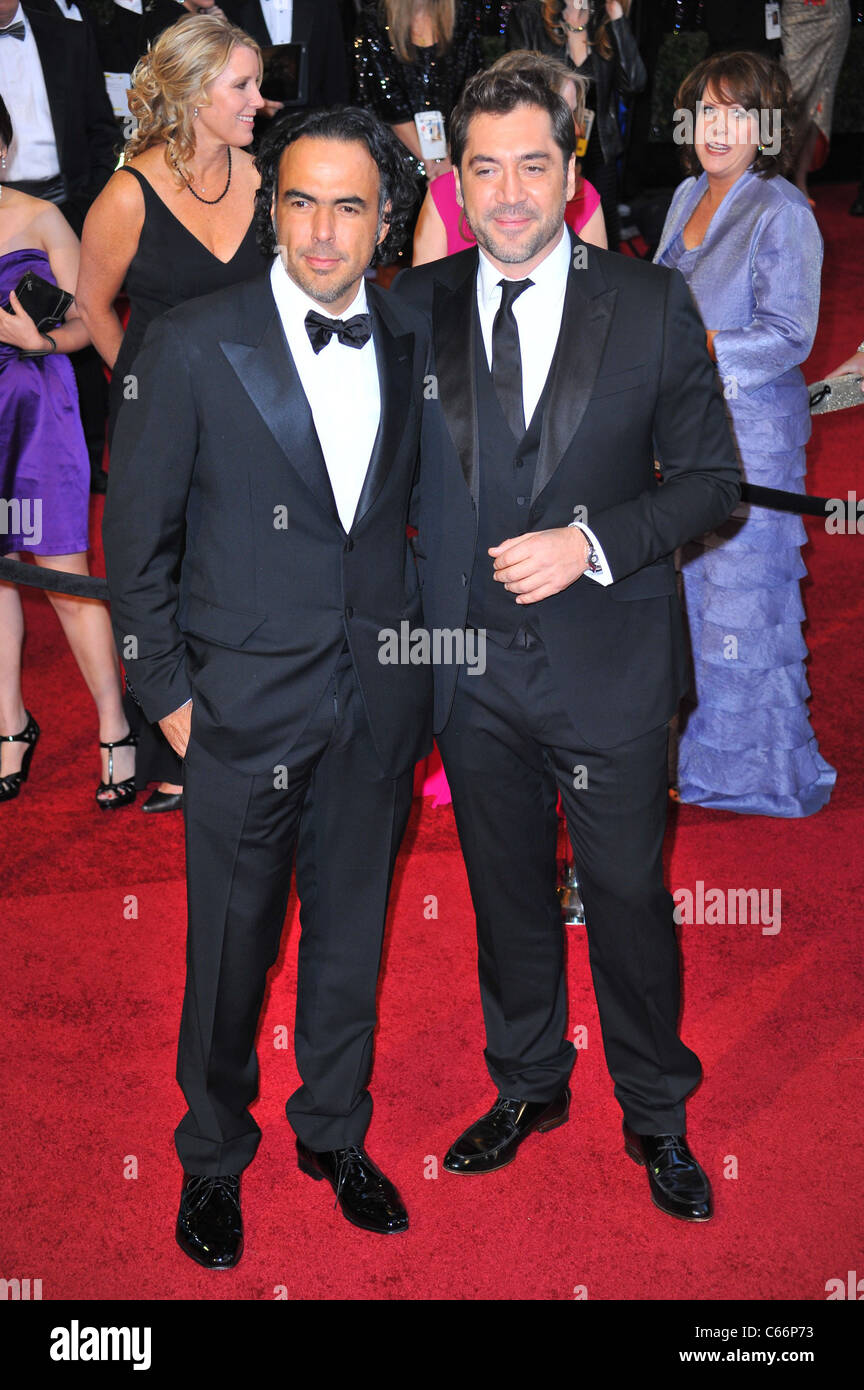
{"x":93,"y":931}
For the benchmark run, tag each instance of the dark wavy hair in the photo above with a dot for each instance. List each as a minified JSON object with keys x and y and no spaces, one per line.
{"x":751,"y":81}
{"x":497,"y":93}
{"x":346,"y":123}
{"x":5,"y":125}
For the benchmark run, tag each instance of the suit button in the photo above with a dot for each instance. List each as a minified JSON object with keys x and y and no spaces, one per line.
{"x":521,"y":501}
{"x":349,"y":612}
{"x":349,"y":545}
{"x":520,"y":463}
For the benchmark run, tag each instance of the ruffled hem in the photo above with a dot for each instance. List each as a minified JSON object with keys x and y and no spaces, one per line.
{"x":781,"y":782}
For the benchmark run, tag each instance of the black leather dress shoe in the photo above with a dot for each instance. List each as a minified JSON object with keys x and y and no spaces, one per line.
{"x":678,"y":1185}
{"x":857,"y":208}
{"x":367,"y":1198}
{"x":491,"y":1142}
{"x":209,"y":1223}
{"x":163,"y":801}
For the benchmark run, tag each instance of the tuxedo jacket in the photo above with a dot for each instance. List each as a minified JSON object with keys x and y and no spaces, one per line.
{"x":631,"y":380}
{"x":318,"y":24}
{"x":84,"y":126}
{"x":232,"y":579}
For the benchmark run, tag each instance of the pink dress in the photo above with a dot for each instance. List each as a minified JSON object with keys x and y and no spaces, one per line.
{"x":459,"y":235}
{"x":429,"y":778}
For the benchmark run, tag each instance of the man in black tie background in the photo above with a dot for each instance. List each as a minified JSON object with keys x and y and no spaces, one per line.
{"x":255,"y":540}
{"x":562,"y":372}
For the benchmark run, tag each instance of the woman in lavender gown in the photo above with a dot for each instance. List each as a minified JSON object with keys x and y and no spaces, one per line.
{"x":747,"y":243}
{"x":45,"y":480}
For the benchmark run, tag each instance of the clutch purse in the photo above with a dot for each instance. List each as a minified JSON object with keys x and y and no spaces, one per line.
{"x":46,"y":304}
{"x":836,"y":393}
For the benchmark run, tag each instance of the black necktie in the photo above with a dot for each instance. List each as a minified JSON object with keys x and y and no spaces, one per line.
{"x":354,"y":332}
{"x":15,"y":31}
{"x":506,"y":357}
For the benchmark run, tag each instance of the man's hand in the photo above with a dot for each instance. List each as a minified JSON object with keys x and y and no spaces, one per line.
{"x":541,"y":563}
{"x":176,"y":727}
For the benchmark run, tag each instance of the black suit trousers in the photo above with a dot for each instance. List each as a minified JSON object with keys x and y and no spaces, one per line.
{"x":330,"y":799}
{"x":508,"y":749}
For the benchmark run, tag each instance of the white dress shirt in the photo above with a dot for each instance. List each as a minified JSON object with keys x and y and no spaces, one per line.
{"x":279,"y":18}
{"x":136,"y":6}
{"x":33,"y":152}
{"x":537,"y":312}
{"x":341,"y":386}
{"x":69,"y":11}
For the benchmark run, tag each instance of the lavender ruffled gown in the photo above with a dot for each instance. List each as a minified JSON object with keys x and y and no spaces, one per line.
{"x":747,"y":744}
{"x":43,"y":454}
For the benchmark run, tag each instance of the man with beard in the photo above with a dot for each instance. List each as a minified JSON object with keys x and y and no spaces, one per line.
{"x":256,"y":547}
{"x":562,"y":372}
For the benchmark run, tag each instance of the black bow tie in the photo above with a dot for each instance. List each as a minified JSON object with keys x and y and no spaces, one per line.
{"x":15,"y":31}
{"x":354,"y":332}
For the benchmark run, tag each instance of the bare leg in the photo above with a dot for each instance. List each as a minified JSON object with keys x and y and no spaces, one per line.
{"x":13,"y":716}
{"x":87,"y":628}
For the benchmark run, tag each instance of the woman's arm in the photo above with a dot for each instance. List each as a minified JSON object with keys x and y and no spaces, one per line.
{"x":430,"y":237}
{"x":785,"y":263}
{"x":61,"y":244}
{"x":630,"y":73}
{"x":108,"y":244}
{"x":594,"y":229}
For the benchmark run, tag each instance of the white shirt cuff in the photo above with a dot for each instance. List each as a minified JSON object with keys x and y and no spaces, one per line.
{"x":604,"y":574}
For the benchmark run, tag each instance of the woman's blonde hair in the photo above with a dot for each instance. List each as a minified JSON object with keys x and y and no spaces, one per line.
{"x":399,"y":14}
{"x":554,"y":72}
{"x":170,"y":80}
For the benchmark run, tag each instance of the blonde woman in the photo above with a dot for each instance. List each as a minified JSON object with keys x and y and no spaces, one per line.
{"x":175,"y":222}
{"x":413,"y":57}
{"x":441,"y":226}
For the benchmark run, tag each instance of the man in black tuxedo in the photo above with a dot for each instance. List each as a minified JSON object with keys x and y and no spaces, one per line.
{"x":315,"y":23}
{"x":59,"y":60}
{"x":562,"y":372}
{"x":255,"y":540}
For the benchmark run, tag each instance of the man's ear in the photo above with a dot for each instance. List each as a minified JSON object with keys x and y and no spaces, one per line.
{"x":571,"y":178}
{"x":384,"y":223}
{"x":458,"y":181}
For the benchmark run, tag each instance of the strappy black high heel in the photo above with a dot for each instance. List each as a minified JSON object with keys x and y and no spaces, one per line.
{"x":125,"y":792}
{"x":10,"y":785}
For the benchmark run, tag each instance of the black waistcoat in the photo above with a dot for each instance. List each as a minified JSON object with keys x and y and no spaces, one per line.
{"x":506,"y":468}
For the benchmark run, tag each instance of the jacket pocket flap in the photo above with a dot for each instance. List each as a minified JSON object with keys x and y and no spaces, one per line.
{"x":620,"y":381}
{"x":228,"y":627}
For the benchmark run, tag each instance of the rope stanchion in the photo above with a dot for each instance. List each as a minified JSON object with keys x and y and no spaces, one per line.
{"x":56,"y":581}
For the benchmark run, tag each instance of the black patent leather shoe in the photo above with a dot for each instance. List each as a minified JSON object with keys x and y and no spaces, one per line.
{"x":367,"y":1198}
{"x":163,"y":801}
{"x":209,"y":1223}
{"x":678,"y":1184}
{"x":492,"y":1141}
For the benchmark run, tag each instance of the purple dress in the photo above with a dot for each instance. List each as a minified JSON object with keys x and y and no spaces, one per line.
{"x":44,"y":463}
{"x":747,"y":744}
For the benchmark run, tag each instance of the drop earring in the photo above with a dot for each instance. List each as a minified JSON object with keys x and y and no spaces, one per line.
{"x":195,"y":113}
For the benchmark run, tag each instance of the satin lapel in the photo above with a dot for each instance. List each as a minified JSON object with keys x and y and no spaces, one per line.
{"x":270,"y":379}
{"x":585,"y":323}
{"x":454,"y":320}
{"x":393,"y":353}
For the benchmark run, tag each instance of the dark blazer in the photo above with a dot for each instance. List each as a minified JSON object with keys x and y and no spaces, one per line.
{"x":226,"y":559}
{"x":624,"y":74}
{"x":122,"y":36}
{"x":631,"y":380}
{"x":318,"y":24}
{"x":84,"y":126}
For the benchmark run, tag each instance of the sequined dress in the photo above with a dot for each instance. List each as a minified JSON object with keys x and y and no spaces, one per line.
{"x":747,"y":744}
{"x":432,"y":81}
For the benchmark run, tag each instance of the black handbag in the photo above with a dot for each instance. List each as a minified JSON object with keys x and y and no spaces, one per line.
{"x":46,"y":304}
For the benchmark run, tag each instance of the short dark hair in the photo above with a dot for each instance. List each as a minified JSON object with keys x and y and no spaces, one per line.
{"x":345,"y":123}
{"x":751,"y":81}
{"x":5,"y":125}
{"x":496,"y":93}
